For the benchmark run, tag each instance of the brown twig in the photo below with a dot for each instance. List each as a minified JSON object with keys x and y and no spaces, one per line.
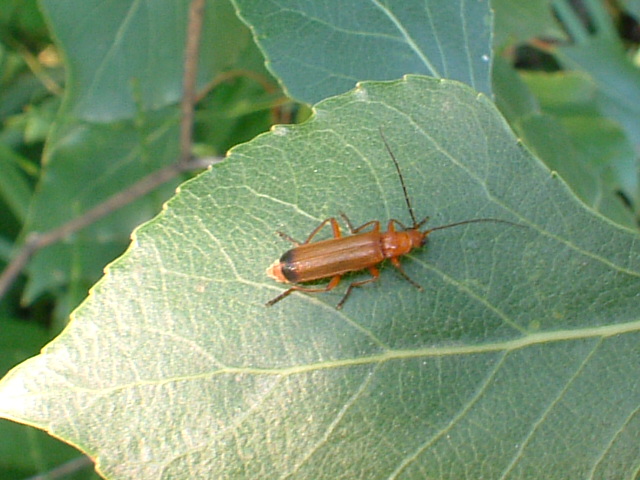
{"x":35,"y":241}
{"x":194,"y":30}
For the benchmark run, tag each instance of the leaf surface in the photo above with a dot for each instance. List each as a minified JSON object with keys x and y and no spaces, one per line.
{"x":519,"y":358}
{"x":318,"y":49}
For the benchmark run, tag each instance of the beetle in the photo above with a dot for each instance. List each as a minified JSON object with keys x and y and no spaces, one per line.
{"x":332,"y":258}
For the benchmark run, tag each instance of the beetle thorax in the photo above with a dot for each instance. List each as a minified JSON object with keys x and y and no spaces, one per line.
{"x":395,"y":244}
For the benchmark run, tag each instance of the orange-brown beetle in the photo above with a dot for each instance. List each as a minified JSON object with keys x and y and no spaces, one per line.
{"x":336,"y":256}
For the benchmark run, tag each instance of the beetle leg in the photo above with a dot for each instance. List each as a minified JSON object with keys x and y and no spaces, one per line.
{"x":300,"y":288}
{"x":391,"y":226}
{"x":288,"y":238}
{"x":375,"y":274}
{"x":393,"y":222}
{"x":353,"y":231}
{"x":396,"y":263}
{"x":335,"y":228}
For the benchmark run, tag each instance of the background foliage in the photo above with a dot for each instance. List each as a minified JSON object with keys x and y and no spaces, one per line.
{"x":526,"y":334}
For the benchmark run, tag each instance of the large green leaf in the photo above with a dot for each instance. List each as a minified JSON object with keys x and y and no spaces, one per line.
{"x":519,"y":359}
{"x":124,"y":56}
{"x":321,"y":49}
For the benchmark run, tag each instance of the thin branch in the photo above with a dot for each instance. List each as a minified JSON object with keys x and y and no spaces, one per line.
{"x":36,"y":68}
{"x":194,"y":31}
{"x":35,"y":241}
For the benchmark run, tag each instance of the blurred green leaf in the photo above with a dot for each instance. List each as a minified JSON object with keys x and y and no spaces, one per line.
{"x":318,"y":50}
{"x":123,"y":57}
{"x":601,"y":144}
{"x":23,"y":18}
{"x":232,"y":114}
{"x":20,"y":89}
{"x":6,"y":249}
{"x":38,"y":120}
{"x":25,"y":451}
{"x":518,"y":21}
{"x":174,"y":367}
{"x":633,"y":7}
{"x":592,"y":185}
{"x":14,"y":188}
{"x":616,"y":78}
{"x":557,"y":123}
{"x":600,"y":53}
{"x":513,"y":97}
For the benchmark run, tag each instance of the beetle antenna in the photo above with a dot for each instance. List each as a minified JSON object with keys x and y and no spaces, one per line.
{"x":475,"y":220}
{"x":404,"y":187}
